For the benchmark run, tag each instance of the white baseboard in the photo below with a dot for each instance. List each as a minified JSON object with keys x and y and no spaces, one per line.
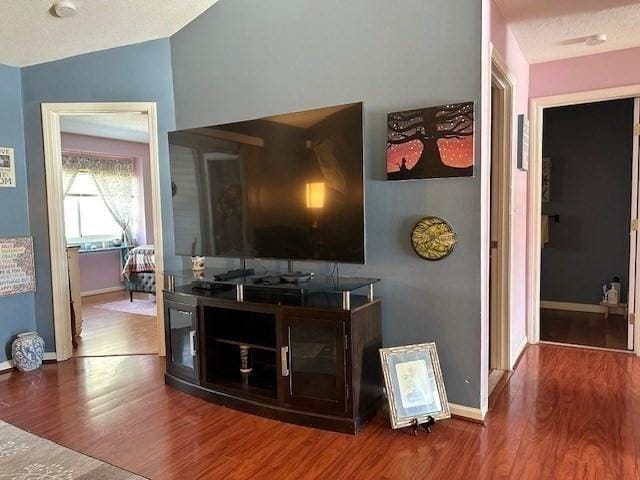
{"x":572,"y":307}
{"x":102,"y":290}
{"x":516,"y":354}
{"x":8,"y":364}
{"x":475,"y":414}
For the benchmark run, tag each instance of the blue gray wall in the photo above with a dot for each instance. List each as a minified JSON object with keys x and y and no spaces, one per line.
{"x":244,"y":59}
{"x":16,"y":312}
{"x":591,"y":148}
{"x":134,"y":73}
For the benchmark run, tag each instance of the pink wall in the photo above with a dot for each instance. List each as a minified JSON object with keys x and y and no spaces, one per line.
{"x":592,"y":72}
{"x":505,"y":43}
{"x":99,"y":270}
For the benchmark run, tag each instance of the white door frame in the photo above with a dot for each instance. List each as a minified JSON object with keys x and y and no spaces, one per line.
{"x":500,"y":291}
{"x":51,"y":113}
{"x":536,"y":110}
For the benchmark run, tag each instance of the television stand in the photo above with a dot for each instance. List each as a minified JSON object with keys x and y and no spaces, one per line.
{"x":288,"y":352}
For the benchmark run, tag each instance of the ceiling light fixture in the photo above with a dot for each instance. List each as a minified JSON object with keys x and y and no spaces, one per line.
{"x":63,"y":8}
{"x":597,"y":39}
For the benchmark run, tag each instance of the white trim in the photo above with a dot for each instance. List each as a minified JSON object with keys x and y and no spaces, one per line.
{"x":634,"y":259}
{"x":100,"y":291}
{"x":500,"y":318}
{"x":471,"y":413}
{"x":518,"y":351}
{"x":485,"y":201}
{"x":585,"y":347}
{"x":8,"y":364}
{"x":534,"y":198}
{"x":573,"y":307}
{"x":576,"y":98}
{"x":51,"y":113}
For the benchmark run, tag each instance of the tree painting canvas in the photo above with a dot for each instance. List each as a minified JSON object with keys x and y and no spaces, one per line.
{"x":434,"y":142}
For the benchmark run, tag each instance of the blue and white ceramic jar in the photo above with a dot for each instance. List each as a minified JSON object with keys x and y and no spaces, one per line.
{"x":27,"y":351}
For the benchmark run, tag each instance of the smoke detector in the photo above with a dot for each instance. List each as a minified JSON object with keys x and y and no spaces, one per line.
{"x":63,"y":9}
{"x":594,"y":40}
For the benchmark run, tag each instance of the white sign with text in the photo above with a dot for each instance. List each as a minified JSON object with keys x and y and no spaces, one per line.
{"x":7,"y":167}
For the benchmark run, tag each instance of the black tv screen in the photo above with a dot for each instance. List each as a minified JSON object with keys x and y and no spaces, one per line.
{"x":286,"y":187}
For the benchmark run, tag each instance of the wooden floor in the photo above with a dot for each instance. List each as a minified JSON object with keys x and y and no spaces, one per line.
{"x":582,"y":328}
{"x":106,"y":332}
{"x":565,"y":413}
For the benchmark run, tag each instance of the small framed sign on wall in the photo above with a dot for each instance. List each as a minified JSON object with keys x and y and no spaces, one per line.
{"x":523,"y":143}
{"x":17,"y":272}
{"x":7,"y":167}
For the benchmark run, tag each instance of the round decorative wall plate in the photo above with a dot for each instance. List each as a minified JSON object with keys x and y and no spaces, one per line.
{"x":433,"y":238}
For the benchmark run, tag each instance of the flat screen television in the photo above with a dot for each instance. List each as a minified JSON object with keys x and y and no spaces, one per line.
{"x":283,"y":187}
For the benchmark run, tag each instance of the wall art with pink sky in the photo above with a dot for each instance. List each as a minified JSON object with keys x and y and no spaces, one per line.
{"x":433,"y":142}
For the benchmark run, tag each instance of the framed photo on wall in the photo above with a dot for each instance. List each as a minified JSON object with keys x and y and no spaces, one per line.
{"x":413,"y":380}
{"x":431,"y":142}
{"x":7,"y":167}
{"x":17,"y":271}
{"x":523,"y":143}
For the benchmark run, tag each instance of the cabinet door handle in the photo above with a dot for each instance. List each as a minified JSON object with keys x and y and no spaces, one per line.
{"x":284,"y":358}
{"x":192,"y":341}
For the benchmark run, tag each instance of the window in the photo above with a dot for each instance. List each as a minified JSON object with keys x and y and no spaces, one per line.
{"x":86,"y":216}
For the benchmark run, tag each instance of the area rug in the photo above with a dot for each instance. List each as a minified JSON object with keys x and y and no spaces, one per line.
{"x":24,"y":456}
{"x":137,"y":307}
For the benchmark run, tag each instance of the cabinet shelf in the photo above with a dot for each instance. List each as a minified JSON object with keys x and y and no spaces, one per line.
{"x":240,"y":327}
{"x":253,"y":390}
{"x":223,"y":370}
{"x":238,"y":343}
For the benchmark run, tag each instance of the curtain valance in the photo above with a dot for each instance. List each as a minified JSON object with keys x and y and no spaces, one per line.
{"x":113,"y":178}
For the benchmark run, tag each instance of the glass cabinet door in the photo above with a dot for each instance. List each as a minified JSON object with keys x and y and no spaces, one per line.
{"x":314,"y":363}
{"x":181,"y":333}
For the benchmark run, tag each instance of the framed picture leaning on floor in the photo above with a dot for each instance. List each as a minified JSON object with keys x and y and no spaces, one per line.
{"x":413,"y":380}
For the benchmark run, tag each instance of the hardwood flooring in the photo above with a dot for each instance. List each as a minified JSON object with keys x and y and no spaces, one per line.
{"x":581,"y":328}
{"x":565,"y":413}
{"x":107,"y":332}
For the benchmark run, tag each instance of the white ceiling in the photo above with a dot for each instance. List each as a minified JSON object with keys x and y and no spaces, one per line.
{"x":554,"y":29}
{"x":132,"y":127}
{"x":29,"y":34}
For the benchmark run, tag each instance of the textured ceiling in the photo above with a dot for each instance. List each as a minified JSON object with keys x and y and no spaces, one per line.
{"x":554,"y":29}
{"x":30,"y":34}
{"x":130,"y":126}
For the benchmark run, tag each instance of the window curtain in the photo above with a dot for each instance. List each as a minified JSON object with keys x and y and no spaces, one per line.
{"x":68,"y":177}
{"x":113,"y":178}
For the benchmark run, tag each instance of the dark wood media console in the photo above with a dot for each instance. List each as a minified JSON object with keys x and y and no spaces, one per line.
{"x":302,"y":357}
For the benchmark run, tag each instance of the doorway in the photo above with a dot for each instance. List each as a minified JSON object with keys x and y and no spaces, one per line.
{"x":587,"y":165}
{"x":502,"y":119}
{"x":107,"y":221}
{"x":103,"y":201}
{"x":596,"y":312}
